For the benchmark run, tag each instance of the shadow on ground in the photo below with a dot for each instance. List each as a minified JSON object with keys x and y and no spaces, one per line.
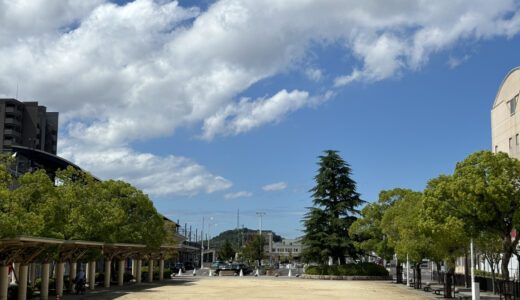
{"x":115,"y":292}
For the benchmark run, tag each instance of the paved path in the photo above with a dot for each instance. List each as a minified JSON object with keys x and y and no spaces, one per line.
{"x":255,"y":288}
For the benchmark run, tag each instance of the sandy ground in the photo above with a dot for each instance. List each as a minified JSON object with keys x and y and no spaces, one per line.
{"x":275,"y":288}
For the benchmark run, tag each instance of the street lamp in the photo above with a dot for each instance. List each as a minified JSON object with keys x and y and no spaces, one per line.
{"x":260,"y":214}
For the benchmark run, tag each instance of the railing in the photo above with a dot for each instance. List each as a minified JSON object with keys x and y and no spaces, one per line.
{"x":510,"y":288}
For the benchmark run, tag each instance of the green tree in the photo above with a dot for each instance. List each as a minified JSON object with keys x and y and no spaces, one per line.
{"x":254,"y":249}
{"x":37,"y":197}
{"x":489,"y":246}
{"x":487,"y":196}
{"x":399,"y":224}
{"x":367,"y":232}
{"x":440,"y":222}
{"x":335,"y":201}
{"x":226,"y":252}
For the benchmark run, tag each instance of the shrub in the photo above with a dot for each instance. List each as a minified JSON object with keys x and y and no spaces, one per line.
{"x":38,"y":284}
{"x":359,"y":269}
{"x":487,"y":274}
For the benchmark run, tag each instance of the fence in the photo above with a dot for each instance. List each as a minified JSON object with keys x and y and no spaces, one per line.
{"x":511,"y":288}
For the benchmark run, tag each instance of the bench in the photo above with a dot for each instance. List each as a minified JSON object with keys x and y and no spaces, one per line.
{"x":437,"y":291}
{"x":427,"y":287}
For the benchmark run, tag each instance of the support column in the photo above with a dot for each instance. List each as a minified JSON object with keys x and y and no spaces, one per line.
{"x":150,"y":270}
{"x":138,"y":271}
{"x":4,"y":282}
{"x":121,"y":272}
{"x":108,"y":263}
{"x":32,"y":274}
{"x":44,"y":288}
{"x":72,"y":275}
{"x":134,"y":267}
{"x":60,"y":269}
{"x":22,"y":282}
{"x":92,"y":274}
{"x":161,"y":269}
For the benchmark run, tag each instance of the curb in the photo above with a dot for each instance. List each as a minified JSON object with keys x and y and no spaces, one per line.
{"x":338,"y":277}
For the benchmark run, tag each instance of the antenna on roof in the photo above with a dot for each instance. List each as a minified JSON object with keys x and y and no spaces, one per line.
{"x":16,"y":91}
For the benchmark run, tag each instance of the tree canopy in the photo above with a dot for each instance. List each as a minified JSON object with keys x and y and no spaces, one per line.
{"x":77,"y":207}
{"x":335,"y":205}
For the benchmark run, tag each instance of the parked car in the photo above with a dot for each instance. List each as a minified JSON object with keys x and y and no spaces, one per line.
{"x":239,"y":266}
{"x":218,"y":265}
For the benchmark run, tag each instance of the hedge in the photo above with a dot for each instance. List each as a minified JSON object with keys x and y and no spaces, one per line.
{"x":359,"y":269}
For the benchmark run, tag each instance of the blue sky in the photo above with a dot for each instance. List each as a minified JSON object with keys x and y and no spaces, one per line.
{"x":213,"y":107}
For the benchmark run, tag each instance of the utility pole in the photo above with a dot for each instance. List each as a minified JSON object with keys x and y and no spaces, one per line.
{"x":202,"y":245}
{"x":260,"y":214}
{"x":238,"y":229}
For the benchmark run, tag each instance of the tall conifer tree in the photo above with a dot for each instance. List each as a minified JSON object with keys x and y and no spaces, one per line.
{"x":327,"y":223}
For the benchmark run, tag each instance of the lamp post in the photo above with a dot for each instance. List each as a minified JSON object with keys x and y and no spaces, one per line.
{"x":260,"y":214}
{"x":202,"y":245}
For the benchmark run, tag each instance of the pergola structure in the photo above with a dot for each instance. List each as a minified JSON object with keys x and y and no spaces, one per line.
{"x":26,"y":250}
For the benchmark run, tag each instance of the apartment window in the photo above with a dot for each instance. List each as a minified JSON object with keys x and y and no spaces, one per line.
{"x":512,"y":105}
{"x":510,"y":142}
{"x":516,"y":139}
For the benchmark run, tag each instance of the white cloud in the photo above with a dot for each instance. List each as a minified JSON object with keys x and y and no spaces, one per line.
{"x":313,"y":74}
{"x":242,"y":194}
{"x":454,"y":62}
{"x":108,"y":68}
{"x":278,"y":186}
{"x":122,"y":73}
{"x":246,"y":114}
{"x":158,"y":176}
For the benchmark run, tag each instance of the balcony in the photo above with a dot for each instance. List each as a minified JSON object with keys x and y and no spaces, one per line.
{"x":8,"y":143}
{"x":11,"y":132}
{"x":12,"y":121}
{"x":12,"y":110}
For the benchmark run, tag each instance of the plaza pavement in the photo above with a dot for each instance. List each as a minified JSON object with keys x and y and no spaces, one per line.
{"x":255,"y":288}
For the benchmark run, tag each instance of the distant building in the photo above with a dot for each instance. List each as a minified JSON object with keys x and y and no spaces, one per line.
{"x":29,"y":125}
{"x":505,"y":116}
{"x":287,"y":247}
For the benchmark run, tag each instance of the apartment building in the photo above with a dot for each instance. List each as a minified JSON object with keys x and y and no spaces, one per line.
{"x":27,"y":124}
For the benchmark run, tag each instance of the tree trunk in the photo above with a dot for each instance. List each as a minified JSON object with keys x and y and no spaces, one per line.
{"x":448,"y":283}
{"x":418,"y":284}
{"x":467,"y":278}
{"x":438,"y":271}
{"x":398,"y":272}
{"x":506,"y":256}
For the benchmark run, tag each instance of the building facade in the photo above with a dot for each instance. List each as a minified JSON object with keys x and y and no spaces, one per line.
{"x":29,"y":125}
{"x":505,"y":116}
{"x":287,"y":249}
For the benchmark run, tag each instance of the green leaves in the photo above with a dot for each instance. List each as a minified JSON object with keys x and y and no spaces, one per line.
{"x":254,"y":249}
{"x":226,"y":252}
{"x":79,"y":207}
{"x":335,"y":204}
